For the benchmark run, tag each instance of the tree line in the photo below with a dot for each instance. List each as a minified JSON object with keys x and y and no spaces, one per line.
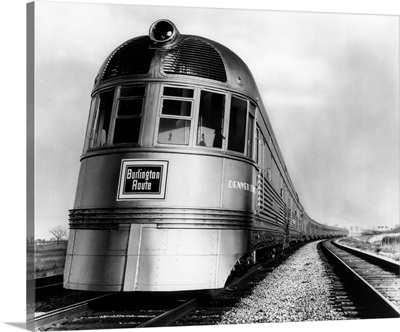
{"x":59,"y":233}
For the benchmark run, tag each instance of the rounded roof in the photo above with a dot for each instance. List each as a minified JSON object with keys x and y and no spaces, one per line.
{"x":176,"y":57}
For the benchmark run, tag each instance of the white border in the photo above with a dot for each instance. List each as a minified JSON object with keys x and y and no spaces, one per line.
{"x":13,"y":24}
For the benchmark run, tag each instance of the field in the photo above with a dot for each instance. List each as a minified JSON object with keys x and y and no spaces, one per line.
{"x":374,"y":244}
{"x":45,"y":259}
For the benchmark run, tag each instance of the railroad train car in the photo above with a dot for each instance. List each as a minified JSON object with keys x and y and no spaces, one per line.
{"x":181,"y":176}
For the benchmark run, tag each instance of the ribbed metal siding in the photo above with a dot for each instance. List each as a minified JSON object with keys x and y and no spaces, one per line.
{"x":132,"y":57}
{"x":195,"y":57}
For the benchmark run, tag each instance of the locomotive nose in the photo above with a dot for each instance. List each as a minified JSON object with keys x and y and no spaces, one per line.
{"x":163,"y":31}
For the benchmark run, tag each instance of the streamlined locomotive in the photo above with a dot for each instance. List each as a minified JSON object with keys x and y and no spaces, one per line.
{"x":181,"y":177}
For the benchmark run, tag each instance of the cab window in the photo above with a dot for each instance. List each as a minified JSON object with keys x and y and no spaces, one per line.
{"x":210,"y":125}
{"x":176,"y":116}
{"x":128,"y":115}
{"x":115,"y":116}
{"x":101,"y":128}
{"x":250,"y":131}
{"x":237,"y":125}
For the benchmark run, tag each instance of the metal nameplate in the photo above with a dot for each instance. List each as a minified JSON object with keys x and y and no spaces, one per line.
{"x":142,"y":179}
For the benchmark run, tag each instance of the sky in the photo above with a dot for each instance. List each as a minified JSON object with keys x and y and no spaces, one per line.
{"x":329,"y":82}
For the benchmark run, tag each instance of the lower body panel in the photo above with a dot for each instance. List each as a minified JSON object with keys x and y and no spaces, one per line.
{"x":147,"y":257}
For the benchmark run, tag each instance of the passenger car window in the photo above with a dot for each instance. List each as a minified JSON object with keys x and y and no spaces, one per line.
{"x":211,"y":120}
{"x":176,"y":115}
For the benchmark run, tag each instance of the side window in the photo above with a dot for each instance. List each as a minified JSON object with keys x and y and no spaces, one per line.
{"x":267,"y":160}
{"x":237,"y":125}
{"x":282,"y":187}
{"x":250,"y":136}
{"x":176,"y":115}
{"x":258,"y":151}
{"x":210,"y":127}
{"x":250,"y":132}
{"x":275,"y":177}
{"x":101,"y":128}
{"x":128,"y":115}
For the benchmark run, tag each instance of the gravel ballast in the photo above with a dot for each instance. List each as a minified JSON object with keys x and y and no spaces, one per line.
{"x":296,"y":291}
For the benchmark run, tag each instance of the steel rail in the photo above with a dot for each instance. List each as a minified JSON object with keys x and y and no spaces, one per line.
{"x":171,"y":316}
{"x":386,"y":307}
{"x":57,"y":315}
{"x":391,"y":266}
{"x":44,"y":282}
{"x":168,"y":317}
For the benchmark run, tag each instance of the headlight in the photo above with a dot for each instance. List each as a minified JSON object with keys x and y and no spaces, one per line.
{"x":163,"y":31}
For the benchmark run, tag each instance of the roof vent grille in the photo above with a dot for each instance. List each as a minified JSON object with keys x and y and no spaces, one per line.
{"x":131,"y":58}
{"x":195,"y":57}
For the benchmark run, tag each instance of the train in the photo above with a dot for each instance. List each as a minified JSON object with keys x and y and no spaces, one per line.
{"x":181,"y":179}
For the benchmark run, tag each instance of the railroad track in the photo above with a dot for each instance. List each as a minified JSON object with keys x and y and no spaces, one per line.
{"x":365,"y":286}
{"x":121,"y":310}
{"x":43,"y":289}
{"x":44,"y":284}
{"x":118,"y":310}
{"x":211,"y":312}
{"x":55,"y":318}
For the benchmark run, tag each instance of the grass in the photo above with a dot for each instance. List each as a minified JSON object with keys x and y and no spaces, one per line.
{"x":45,"y":259}
{"x":360,"y":242}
